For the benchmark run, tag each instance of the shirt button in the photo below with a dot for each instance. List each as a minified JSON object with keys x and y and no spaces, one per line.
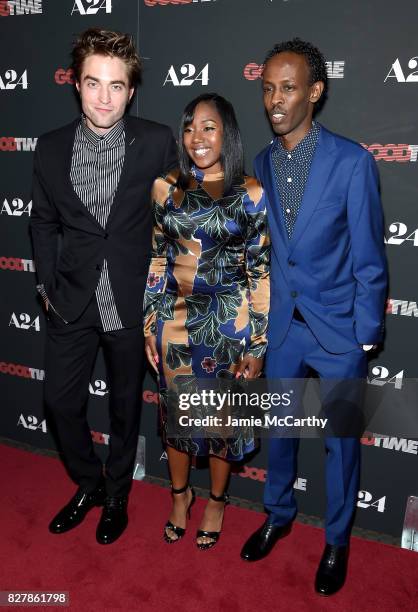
{"x":294,"y":294}
{"x":289,"y":156}
{"x":289,"y":179}
{"x":291,"y":263}
{"x":288,"y":210}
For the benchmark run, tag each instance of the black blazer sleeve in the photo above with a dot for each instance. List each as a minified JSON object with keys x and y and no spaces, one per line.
{"x":171,"y":155}
{"x":44,"y":223}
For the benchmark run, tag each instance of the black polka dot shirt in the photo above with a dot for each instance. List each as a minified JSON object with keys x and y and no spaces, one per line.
{"x":291,"y":169}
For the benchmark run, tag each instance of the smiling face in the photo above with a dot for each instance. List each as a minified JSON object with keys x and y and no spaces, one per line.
{"x":203,"y":138}
{"x":289,"y":97}
{"x":104,"y":91}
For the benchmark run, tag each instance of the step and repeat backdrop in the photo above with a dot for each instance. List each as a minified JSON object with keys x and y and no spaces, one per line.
{"x":189,"y":47}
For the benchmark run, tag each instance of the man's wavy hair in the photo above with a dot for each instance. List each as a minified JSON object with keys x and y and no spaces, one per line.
{"x":314,"y":59}
{"x":112,"y":44}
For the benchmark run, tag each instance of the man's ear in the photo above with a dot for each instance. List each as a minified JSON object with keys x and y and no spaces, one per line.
{"x":131,"y":92}
{"x":316,"y":91}
{"x":77,"y":84}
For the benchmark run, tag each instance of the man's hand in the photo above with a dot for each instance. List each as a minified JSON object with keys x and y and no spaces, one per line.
{"x":250,"y":367}
{"x":151,"y":351}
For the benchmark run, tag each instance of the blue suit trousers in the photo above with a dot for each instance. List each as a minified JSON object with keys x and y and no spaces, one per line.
{"x":300,"y":352}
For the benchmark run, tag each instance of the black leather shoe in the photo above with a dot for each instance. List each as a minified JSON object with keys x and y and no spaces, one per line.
{"x":261,"y":542}
{"x":332,"y":570}
{"x":75,"y":511}
{"x":113,"y":521}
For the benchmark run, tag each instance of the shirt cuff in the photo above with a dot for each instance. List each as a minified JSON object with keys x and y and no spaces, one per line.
{"x":41,"y":290}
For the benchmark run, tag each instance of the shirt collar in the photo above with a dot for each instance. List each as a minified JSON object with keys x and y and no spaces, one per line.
{"x":304,"y":150}
{"x":111,"y":138}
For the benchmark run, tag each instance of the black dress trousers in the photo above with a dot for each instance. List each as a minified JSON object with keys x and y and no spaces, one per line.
{"x":71,"y":351}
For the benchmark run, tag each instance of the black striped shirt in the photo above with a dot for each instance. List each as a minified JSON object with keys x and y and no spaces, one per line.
{"x":96,"y":166}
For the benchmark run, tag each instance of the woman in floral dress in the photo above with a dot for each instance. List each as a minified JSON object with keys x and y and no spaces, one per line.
{"x":207,"y":296}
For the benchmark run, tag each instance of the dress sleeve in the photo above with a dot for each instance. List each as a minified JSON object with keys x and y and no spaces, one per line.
{"x":257,"y":263}
{"x":157,"y":273}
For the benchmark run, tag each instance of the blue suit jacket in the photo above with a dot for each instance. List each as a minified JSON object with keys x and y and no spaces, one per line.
{"x":333,"y":268}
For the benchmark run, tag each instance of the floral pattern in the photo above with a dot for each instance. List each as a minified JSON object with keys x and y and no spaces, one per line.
{"x":207,"y":294}
{"x":209,"y":364}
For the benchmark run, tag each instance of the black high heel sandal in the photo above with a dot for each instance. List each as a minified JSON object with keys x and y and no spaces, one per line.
{"x":213,"y":535}
{"x":178,"y":531}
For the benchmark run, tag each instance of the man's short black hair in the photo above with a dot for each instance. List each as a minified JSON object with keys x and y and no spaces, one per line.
{"x":314,"y":59}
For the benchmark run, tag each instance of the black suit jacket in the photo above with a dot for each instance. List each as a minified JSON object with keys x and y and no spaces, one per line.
{"x":70,"y":273}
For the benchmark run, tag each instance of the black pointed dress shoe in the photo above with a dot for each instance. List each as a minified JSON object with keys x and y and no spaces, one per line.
{"x":261,"y":542}
{"x":332,"y":570}
{"x":75,"y":511}
{"x":113,"y":521}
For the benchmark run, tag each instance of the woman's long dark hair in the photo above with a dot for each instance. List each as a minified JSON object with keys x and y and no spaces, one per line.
{"x":232,"y":154}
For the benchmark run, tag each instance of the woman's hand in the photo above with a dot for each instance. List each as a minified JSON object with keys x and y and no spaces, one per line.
{"x":151,"y":351}
{"x":250,"y":367}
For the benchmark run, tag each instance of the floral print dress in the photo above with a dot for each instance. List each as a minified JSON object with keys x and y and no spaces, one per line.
{"x":207,"y":293}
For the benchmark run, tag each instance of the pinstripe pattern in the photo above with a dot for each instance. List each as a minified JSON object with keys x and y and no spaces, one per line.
{"x":96,"y":167}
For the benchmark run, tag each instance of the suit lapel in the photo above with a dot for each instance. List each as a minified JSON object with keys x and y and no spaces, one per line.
{"x":321,"y":167}
{"x":132,"y":142}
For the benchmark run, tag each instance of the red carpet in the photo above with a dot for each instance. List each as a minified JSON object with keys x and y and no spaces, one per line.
{"x":141,"y":572}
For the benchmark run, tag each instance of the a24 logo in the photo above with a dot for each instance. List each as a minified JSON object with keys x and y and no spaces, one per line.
{"x":99,"y":387}
{"x":32,"y":422}
{"x":365,"y":500}
{"x":188,"y":76}
{"x":17,"y":208}
{"x":91,"y":7}
{"x":24,"y":321}
{"x":381,"y":376}
{"x":400,"y":234}
{"x":397,"y":73}
{"x":11,"y":80}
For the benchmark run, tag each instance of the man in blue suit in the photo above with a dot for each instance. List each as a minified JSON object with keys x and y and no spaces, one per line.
{"x":328,"y":285}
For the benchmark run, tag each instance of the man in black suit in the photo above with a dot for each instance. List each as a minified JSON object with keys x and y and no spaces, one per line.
{"x":92,"y":182}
